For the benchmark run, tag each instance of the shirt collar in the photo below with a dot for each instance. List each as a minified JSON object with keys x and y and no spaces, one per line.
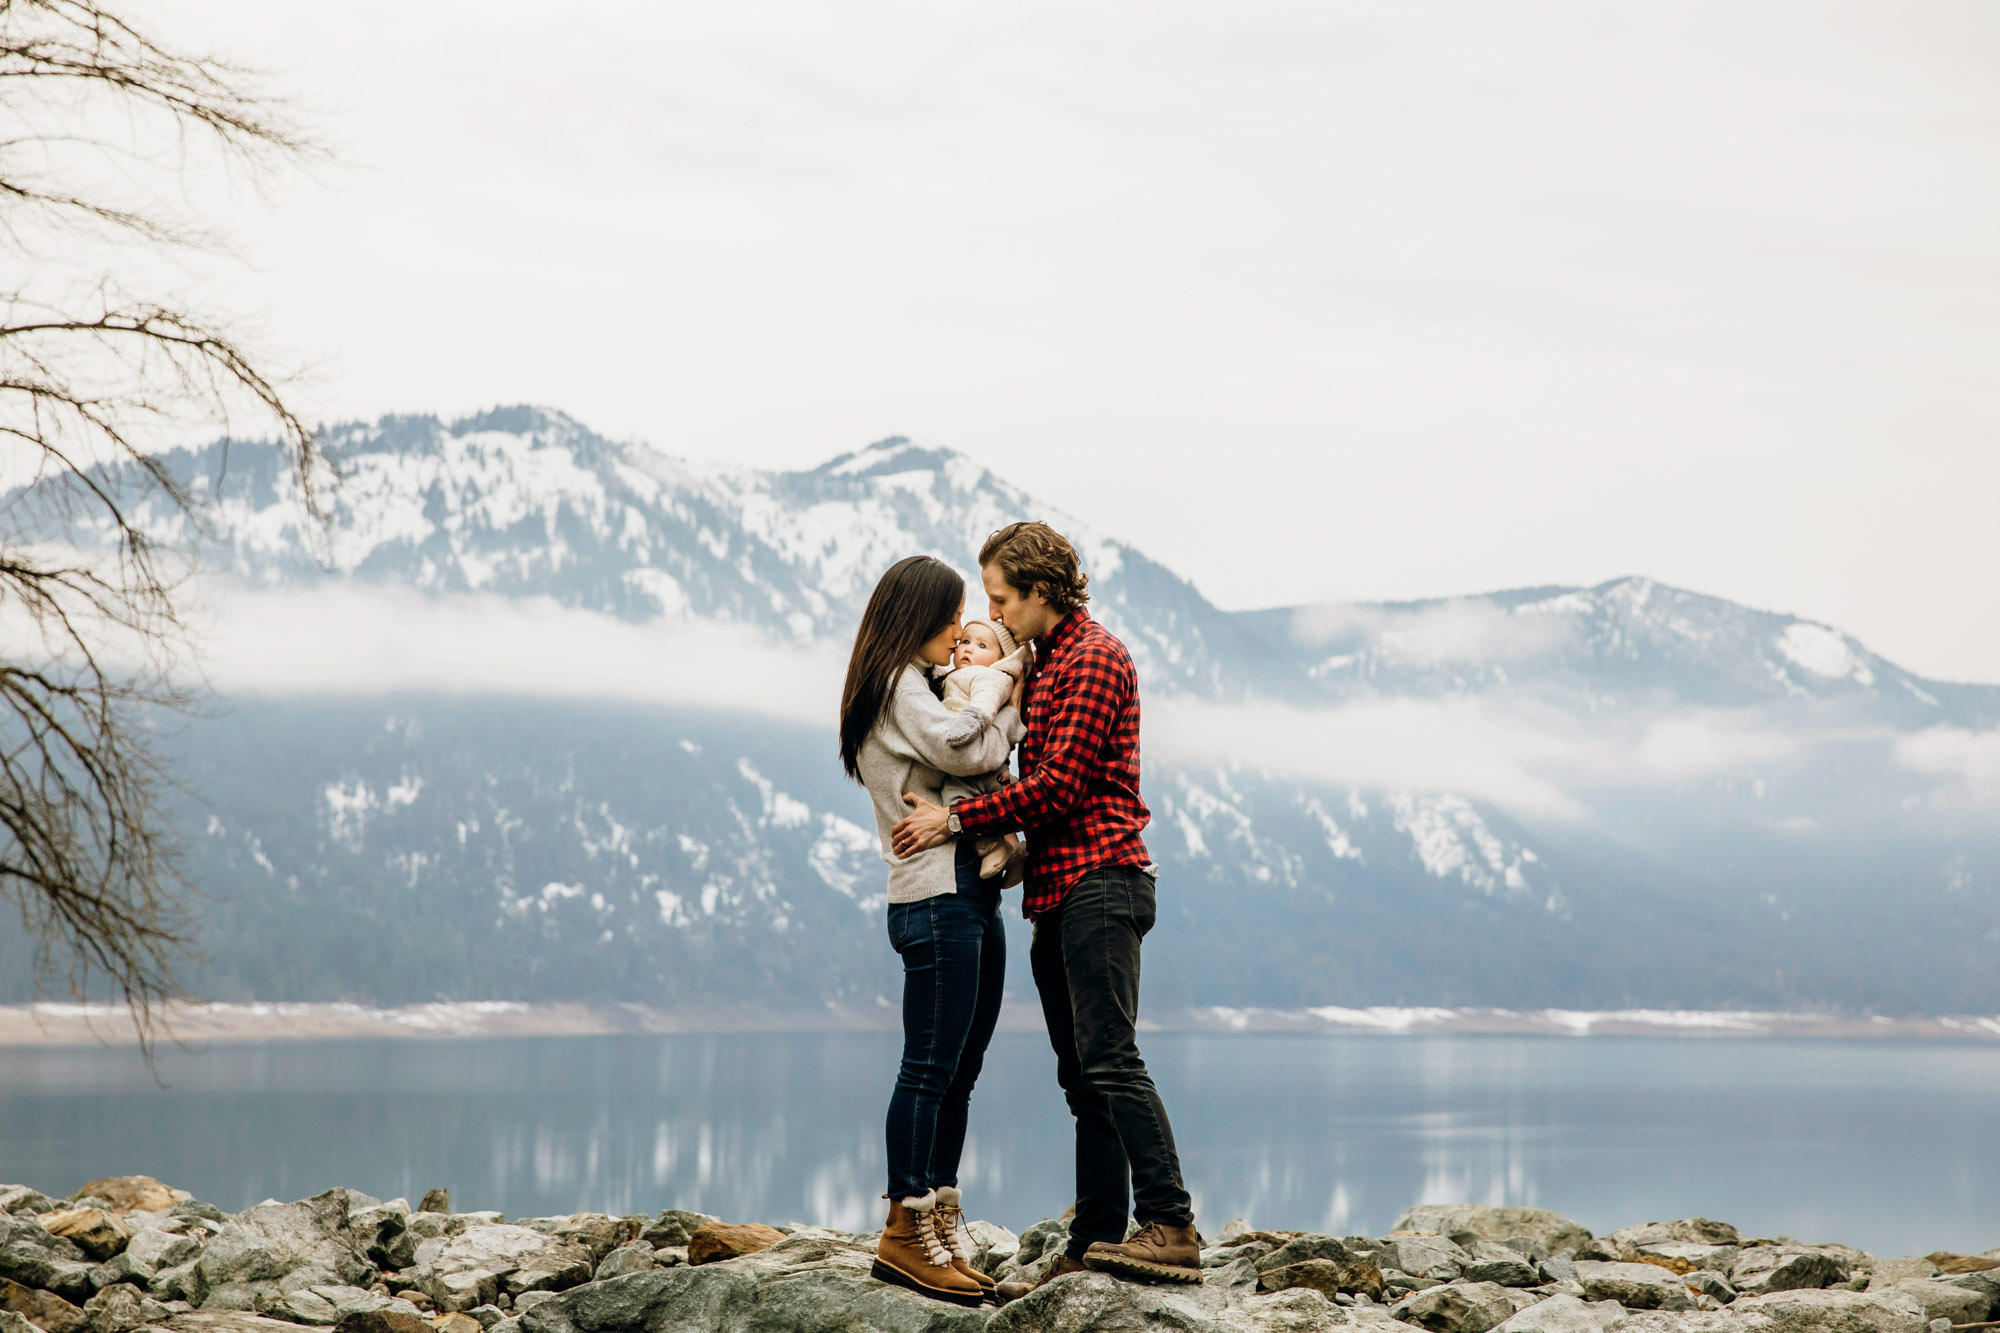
{"x":1066,"y":629}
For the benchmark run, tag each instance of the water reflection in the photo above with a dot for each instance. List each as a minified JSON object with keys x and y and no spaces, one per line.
{"x":1884,"y":1145}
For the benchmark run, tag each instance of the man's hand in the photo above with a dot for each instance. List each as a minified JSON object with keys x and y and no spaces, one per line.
{"x":922,"y":828}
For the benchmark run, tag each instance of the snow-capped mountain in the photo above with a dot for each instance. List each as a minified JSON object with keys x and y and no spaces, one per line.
{"x":523,"y":501}
{"x":527,"y":502}
{"x":1754,"y":810}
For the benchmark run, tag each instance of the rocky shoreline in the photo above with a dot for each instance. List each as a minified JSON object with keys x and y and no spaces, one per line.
{"x":129,"y":1253}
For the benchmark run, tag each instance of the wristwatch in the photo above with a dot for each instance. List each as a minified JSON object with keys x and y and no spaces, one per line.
{"x":951,"y":824}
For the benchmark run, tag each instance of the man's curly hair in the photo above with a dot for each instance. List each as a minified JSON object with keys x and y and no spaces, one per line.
{"x":1035,"y":557}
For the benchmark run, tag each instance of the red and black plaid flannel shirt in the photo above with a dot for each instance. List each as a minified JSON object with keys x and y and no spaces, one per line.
{"x":1078,"y":797}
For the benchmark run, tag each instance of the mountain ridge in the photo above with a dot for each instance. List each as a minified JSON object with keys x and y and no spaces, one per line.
{"x":814,"y":550}
{"x":1759,"y":817}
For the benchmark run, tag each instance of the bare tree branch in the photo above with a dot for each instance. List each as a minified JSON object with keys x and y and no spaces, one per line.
{"x":97,"y":544}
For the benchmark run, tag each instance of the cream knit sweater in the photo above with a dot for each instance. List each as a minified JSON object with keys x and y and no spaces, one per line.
{"x":911,"y":750}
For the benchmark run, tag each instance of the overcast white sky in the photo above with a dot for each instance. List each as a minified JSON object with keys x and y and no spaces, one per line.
{"x":1311,"y":301}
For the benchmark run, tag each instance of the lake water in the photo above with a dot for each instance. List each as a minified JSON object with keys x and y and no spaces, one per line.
{"x":1894,"y":1147}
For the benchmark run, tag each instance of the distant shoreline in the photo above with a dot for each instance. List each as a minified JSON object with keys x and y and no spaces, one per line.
{"x":70,"y":1024}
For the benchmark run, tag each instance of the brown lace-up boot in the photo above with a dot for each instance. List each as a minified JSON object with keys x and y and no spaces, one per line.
{"x":949,"y":1218}
{"x":1159,"y":1252}
{"x":912,"y":1254}
{"x":1062,"y":1267}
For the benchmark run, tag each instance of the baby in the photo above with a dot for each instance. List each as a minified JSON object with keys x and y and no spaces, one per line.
{"x":985,"y":669}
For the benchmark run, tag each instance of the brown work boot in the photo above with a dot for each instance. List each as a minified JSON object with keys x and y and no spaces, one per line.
{"x":1158,"y":1252}
{"x":1062,"y":1267}
{"x":912,"y":1254}
{"x":949,"y":1218}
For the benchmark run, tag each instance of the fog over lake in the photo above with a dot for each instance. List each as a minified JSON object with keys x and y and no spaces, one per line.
{"x":1884,"y":1145}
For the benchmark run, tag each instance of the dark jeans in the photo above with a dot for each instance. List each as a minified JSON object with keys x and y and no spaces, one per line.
{"x":954,"y":950}
{"x":1086,"y":964}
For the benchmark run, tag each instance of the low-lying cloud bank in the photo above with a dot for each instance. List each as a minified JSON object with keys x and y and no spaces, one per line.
{"x":349,"y":639}
{"x":1532,"y":759}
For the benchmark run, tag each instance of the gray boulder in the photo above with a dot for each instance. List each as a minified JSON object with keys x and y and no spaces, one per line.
{"x":600,"y":1233}
{"x":806,"y":1281}
{"x":1768,"y":1268}
{"x":32,"y":1257}
{"x":121,"y":1308}
{"x":638,"y":1257}
{"x":1046,"y":1236}
{"x":993,"y":1245}
{"x":1331,"y":1278}
{"x":1986,"y":1283}
{"x":1634,"y":1286}
{"x":1684,"y":1231}
{"x":1888,"y":1272}
{"x":1721,"y":1258}
{"x":1563,"y":1314}
{"x":1088,"y":1302}
{"x":1235,"y":1252}
{"x":150,"y":1250}
{"x":1540,"y":1231}
{"x":1707,"y":1282}
{"x":226,"y":1321}
{"x":23,"y":1199}
{"x":383,"y":1232}
{"x":673,"y":1228}
{"x":477,"y":1265}
{"x":180,"y":1283}
{"x":1494,"y":1262}
{"x":390,"y":1321}
{"x":1946,"y":1300}
{"x":1435,"y":1257}
{"x":1457,"y":1307}
{"x":14,"y":1323}
{"x":1034,"y":1251}
{"x":1300,"y":1248}
{"x":266,"y":1252}
{"x":1811,"y":1311}
{"x":429,"y":1226}
{"x":333,"y":1305}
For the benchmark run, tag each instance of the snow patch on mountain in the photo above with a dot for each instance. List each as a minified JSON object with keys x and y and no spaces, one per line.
{"x":1824,"y":652}
{"x":1337,"y":841}
{"x":846,"y":857}
{"x":1451,"y":839}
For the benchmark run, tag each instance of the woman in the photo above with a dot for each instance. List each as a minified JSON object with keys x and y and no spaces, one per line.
{"x":943,"y":918}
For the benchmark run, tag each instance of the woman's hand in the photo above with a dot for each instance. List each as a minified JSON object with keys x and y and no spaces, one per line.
{"x":921,"y":829}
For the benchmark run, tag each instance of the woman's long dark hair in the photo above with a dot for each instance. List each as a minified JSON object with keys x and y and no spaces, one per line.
{"x":912,"y":604}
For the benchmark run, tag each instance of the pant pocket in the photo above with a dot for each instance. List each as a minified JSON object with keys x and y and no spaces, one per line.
{"x":1145,"y":903}
{"x":906,"y":924}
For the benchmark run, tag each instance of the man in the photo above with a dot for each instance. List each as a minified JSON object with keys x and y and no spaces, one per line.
{"x":1089,"y":892}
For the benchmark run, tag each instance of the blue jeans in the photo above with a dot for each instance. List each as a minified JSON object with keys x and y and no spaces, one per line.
{"x":954,"y":950}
